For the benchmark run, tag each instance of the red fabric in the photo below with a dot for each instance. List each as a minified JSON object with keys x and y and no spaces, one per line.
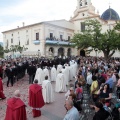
{"x":79,"y":90}
{"x":1,"y":89}
{"x":107,"y":104}
{"x":36,"y":113}
{"x":35,"y":96}
{"x":2,"y":95}
{"x":104,"y":76}
{"x":1,"y":85}
{"x":15,"y":109}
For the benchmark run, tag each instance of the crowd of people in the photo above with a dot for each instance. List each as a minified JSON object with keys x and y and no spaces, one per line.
{"x":101,"y":78}
{"x":98,"y":76}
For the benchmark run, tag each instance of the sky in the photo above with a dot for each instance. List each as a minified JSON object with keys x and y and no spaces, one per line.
{"x":14,"y":12}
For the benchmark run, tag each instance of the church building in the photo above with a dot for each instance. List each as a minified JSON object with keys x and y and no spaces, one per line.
{"x":52,"y":38}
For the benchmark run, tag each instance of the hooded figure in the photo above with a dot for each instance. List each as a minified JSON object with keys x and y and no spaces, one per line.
{"x":47,"y":91}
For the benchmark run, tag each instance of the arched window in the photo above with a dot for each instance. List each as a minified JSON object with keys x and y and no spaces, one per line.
{"x":51,"y":51}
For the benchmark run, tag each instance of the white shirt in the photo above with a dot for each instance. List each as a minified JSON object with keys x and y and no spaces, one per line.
{"x":67,"y":94}
{"x":72,"y":114}
{"x":89,"y":79}
{"x":114,"y":78}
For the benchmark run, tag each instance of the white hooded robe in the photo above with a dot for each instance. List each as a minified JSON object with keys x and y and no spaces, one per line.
{"x":53,"y":74}
{"x":39,"y":75}
{"x":47,"y":91}
{"x":60,"y":83}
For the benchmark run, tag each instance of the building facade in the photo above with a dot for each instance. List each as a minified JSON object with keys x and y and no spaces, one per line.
{"x":52,"y":38}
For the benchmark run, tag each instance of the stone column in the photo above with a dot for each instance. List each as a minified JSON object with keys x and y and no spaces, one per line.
{"x":47,"y":51}
{"x":42,"y":40}
{"x":66,"y":50}
{"x":56,"y":51}
{"x":72,"y":51}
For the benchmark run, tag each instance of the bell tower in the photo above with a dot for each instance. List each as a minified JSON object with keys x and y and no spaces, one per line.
{"x":83,"y":3}
{"x":83,"y":10}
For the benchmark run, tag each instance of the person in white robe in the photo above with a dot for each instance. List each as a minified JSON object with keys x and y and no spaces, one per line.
{"x":68,"y":72}
{"x":39,"y":75}
{"x":53,"y":73}
{"x":64,"y":71}
{"x":59,"y":68}
{"x":60,"y":83}
{"x":75,"y":69}
{"x":47,"y":91}
{"x":71,"y":67}
{"x":71,"y":62}
{"x":46,"y":73}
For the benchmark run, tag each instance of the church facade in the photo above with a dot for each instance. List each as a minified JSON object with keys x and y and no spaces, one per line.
{"x":52,"y":38}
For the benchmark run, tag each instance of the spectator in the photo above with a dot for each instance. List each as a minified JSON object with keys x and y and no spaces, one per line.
{"x":72,"y":112}
{"x":118,"y":88}
{"x":79,"y":91}
{"x":70,"y":91}
{"x":100,"y":112}
{"x":89,"y":80}
{"x":105,"y":93}
{"x":110,"y":81}
{"x":94,"y":88}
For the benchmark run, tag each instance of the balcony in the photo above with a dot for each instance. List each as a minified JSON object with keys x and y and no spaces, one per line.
{"x":36,"y":42}
{"x":58,"y":42}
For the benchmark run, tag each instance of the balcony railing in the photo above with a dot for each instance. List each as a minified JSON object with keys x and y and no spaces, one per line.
{"x":56,"y":39}
{"x":36,"y":42}
{"x":57,"y":42}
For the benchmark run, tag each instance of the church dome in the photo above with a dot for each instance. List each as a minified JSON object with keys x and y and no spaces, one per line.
{"x":110,"y":14}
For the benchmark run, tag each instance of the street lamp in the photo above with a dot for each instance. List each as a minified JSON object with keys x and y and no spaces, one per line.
{"x":38,"y":53}
{"x":96,"y":52}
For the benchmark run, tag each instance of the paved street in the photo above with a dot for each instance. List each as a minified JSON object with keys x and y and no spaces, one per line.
{"x":54,"y":111}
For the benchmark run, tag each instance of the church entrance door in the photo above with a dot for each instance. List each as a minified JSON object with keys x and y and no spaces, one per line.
{"x":61,"y":52}
{"x":82,"y":53}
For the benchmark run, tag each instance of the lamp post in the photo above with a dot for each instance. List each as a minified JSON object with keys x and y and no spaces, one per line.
{"x":38,"y":54}
{"x":96,"y":52}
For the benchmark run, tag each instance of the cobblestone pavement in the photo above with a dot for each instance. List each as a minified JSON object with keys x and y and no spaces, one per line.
{"x":52,"y":111}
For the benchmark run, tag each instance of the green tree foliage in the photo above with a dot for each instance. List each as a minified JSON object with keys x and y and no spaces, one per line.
{"x":15,"y":48}
{"x":21,"y":49}
{"x":92,"y":37}
{"x":1,"y":51}
{"x":117,"y":27}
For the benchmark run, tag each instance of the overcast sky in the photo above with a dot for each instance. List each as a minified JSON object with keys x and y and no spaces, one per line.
{"x":14,"y":12}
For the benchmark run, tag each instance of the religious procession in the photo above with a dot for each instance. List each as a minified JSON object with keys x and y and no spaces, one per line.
{"x":68,"y":88}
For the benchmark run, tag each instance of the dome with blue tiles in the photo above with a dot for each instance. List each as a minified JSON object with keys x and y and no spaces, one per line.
{"x":110,"y":14}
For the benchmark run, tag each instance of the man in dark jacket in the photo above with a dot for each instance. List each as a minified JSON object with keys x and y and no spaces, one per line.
{"x":10,"y":75}
{"x":31,"y":72}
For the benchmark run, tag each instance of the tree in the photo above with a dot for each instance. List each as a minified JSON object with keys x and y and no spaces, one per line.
{"x":21,"y":49}
{"x":93,"y":38}
{"x":117,"y":26}
{"x":1,"y":51}
{"x":15,"y":48}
